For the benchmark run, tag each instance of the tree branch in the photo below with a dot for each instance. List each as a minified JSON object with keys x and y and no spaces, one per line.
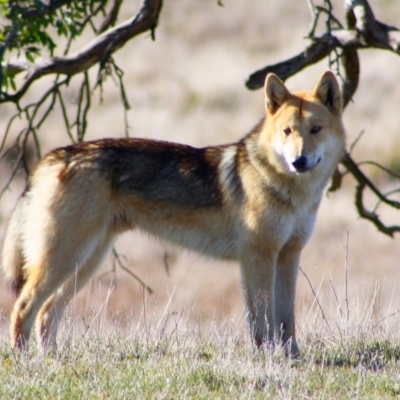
{"x":350,"y":62}
{"x":98,"y":50}
{"x":365,"y":32}
{"x":311,"y":55}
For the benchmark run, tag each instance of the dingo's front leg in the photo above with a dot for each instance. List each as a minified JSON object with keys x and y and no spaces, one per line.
{"x":258,"y":278}
{"x":285,"y":291}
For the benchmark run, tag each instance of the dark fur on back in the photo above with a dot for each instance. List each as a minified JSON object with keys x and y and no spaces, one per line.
{"x":158,"y":171}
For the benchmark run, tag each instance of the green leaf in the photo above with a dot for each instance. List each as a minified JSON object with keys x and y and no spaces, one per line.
{"x":30,"y":56}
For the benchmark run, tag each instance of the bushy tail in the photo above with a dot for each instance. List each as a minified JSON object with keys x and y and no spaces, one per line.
{"x":12,"y":259}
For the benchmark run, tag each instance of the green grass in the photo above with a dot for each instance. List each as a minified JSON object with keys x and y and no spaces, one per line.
{"x":176,"y":363}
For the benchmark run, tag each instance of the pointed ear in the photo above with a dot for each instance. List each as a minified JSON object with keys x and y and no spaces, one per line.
{"x":275,"y":93}
{"x":328,"y":92}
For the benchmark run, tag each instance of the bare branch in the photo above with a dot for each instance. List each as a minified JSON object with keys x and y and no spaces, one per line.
{"x":350,"y":63}
{"x":311,"y":55}
{"x":365,"y":21}
{"x":352,"y":167}
{"x":362,"y":183}
{"x":362,"y":32}
{"x":350,"y":74}
{"x":370,"y":215}
{"x":99,"y":49}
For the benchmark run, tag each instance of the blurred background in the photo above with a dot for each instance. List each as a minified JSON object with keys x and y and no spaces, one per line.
{"x":188,"y":86}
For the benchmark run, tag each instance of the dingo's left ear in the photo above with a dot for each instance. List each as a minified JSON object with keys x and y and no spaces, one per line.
{"x":275,"y":93}
{"x":328,"y":92}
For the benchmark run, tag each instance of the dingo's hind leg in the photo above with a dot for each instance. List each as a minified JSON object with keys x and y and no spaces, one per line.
{"x":39,"y":285}
{"x":51,"y":313}
{"x":67,"y":219}
{"x":56,"y":264}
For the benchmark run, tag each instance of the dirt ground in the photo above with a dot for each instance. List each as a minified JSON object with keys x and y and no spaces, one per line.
{"x":188,"y":86}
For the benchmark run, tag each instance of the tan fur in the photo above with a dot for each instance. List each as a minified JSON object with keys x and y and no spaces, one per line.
{"x":254,"y":201}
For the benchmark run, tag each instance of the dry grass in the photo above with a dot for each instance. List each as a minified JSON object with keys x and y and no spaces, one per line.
{"x":171,"y":357}
{"x":188,"y":86}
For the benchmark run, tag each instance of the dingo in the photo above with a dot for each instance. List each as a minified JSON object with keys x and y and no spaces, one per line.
{"x":254,"y":201}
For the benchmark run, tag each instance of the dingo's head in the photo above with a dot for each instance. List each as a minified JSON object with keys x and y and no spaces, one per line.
{"x":304,"y":129}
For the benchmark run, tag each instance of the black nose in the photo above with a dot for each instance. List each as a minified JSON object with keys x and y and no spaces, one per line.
{"x":300,"y":164}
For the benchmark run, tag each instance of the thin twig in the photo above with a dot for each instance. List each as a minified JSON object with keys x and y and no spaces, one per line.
{"x":355,"y":141}
{"x":380,"y":166}
{"x":336,"y":297}
{"x":65,"y":116}
{"x":346,"y":263}
{"x":112,"y":16}
{"x":363,"y":182}
{"x":315,"y":16}
{"x":386,"y":317}
{"x":12,"y":173}
{"x":122,"y":266}
{"x":166,"y":262}
{"x":315,"y":296}
{"x":370,"y":312}
{"x":88,"y":99}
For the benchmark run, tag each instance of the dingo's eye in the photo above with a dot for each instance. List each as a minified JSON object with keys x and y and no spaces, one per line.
{"x":315,"y":129}
{"x":287,"y":131}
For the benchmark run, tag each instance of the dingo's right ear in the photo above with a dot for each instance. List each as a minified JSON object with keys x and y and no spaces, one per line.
{"x":275,"y":93}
